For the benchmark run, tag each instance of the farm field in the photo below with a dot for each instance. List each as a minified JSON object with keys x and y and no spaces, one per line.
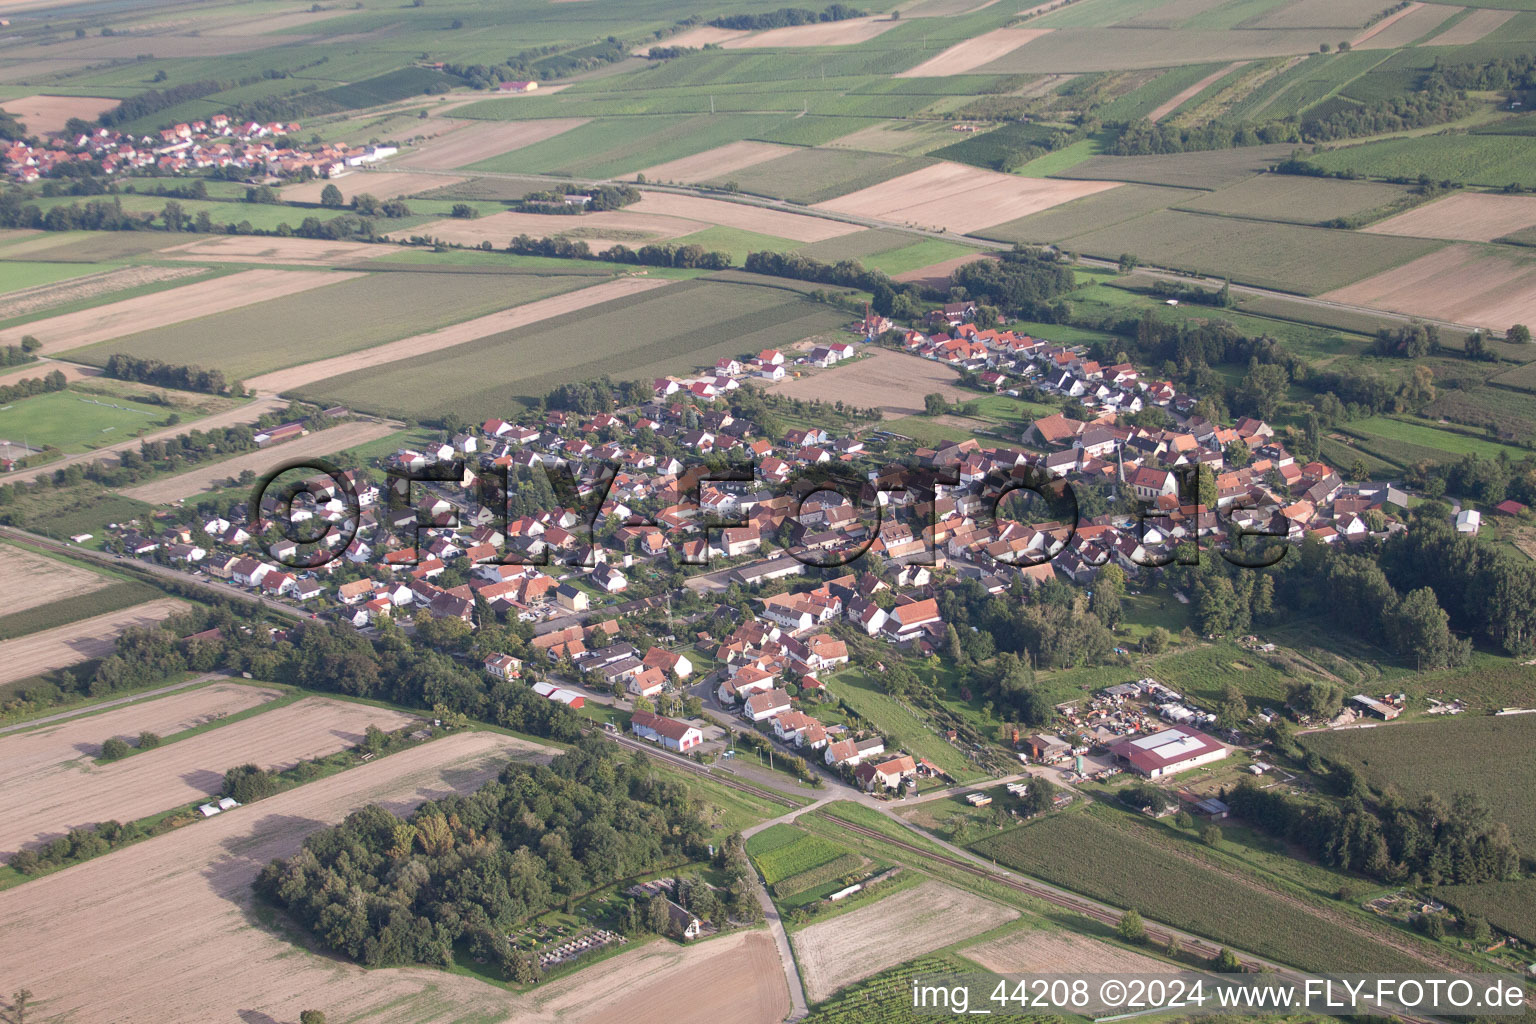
{"x":1049,"y":951}
{"x":600,"y":230}
{"x":1489,"y":751}
{"x":780,"y":223}
{"x":933,"y":275}
{"x":973,"y":53}
{"x":1470,"y":29}
{"x":832,"y":33}
{"x":1272,"y":255}
{"x":44,"y":115}
{"x":1192,"y":90}
{"x":958,"y":198}
{"x":87,"y":246}
{"x":1490,"y":160}
{"x":930,"y":257}
{"x":52,"y":802}
{"x":675,"y":329}
{"x":379,"y":308}
{"x":457,"y":334}
{"x":30,"y":580}
{"x":858,"y":944}
{"x":1298,"y":200}
{"x":1100,"y":210}
{"x":146,"y":312}
{"x":861,"y":245}
{"x":115,"y":596}
{"x":781,"y":851}
{"x":1124,"y":48}
{"x":72,"y":421}
{"x":714,"y":163}
{"x":473,"y":141}
{"x":181,"y":905}
{"x":892,"y":381}
{"x":1424,"y":436}
{"x":62,"y":646}
{"x":23,"y":277}
{"x":1508,"y":906}
{"x":1182,"y":170}
{"x":1465,"y":216}
{"x":210,"y":475}
{"x":83,"y":284}
{"x":284,"y":251}
{"x":1461,"y":283}
{"x":815,"y":175}
{"x":1081,"y":853}
{"x":379,"y":184}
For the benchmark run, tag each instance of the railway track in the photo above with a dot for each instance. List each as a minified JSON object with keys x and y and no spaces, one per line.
{"x":689,"y":766}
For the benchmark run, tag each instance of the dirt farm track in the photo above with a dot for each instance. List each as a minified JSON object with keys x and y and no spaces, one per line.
{"x":176,"y":939}
{"x":49,"y":649}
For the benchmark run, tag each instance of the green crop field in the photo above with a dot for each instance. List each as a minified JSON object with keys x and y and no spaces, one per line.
{"x":1522,"y":378}
{"x":1141,"y":102}
{"x":1508,"y":906}
{"x":1102,"y":209}
{"x":1282,"y":256}
{"x":900,"y":727}
{"x":736,"y":241}
{"x":669,"y":330}
{"x":815,"y":175}
{"x":1491,"y":754}
{"x":333,"y":320}
{"x":860,"y":245}
{"x":1205,"y":170}
{"x":1088,"y":856}
{"x":72,"y":421}
{"x":1296,"y":200}
{"x":113,"y":597}
{"x":20,"y":275}
{"x":1109,"y":49}
{"x":1493,"y":160}
{"x":917,"y":255}
{"x":782,"y":851}
{"x":1426,"y":436}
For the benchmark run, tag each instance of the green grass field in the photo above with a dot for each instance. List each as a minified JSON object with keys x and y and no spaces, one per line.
{"x":73,"y":421}
{"x":736,"y":241}
{"x":917,"y":255}
{"x":669,"y":330}
{"x":1492,"y":160}
{"x":19,"y":275}
{"x":1287,"y":257}
{"x":860,"y":245}
{"x":900,"y":727}
{"x":1100,"y":210}
{"x":1491,"y":756}
{"x":332,"y":320}
{"x":1204,"y":170}
{"x":1508,"y":906}
{"x":1426,"y":436}
{"x":1099,"y":860}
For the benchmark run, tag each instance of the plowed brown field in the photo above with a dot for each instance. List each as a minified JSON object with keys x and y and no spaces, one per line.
{"x":28,"y":579}
{"x":958,"y":198}
{"x":74,"y":792}
{"x":1460,"y":283}
{"x":892,"y":381}
{"x":1465,"y":216}
{"x":62,"y":646}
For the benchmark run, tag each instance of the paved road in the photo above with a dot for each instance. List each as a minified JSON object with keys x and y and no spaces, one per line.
{"x":130,"y":699}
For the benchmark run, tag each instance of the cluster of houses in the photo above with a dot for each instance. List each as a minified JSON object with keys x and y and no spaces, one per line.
{"x":217,"y":143}
{"x":769,"y":364}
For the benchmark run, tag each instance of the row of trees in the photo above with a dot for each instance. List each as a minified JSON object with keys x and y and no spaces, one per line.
{"x":786,"y":16}
{"x":387,"y":891}
{"x":29,"y":386}
{"x":168,"y":375}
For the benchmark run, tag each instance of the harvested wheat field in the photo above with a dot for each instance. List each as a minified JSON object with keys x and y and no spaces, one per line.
{"x":936,"y":275}
{"x":973,"y":53}
{"x":175,"y":939}
{"x":1178,"y":99}
{"x":764,"y":221}
{"x":79,"y":289}
{"x":1041,"y":951}
{"x":379,"y":184}
{"x":701,"y":35}
{"x":257,"y":249}
{"x":207,"y":477}
{"x":45,"y":115}
{"x":852,"y":947}
{"x":736,"y":979}
{"x":892,"y":381}
{"x":83,"y":793}
{"x":1471,"y":28}
{"x":480,"y":140}
{"x":67,"y":645}
{"x":823,"y":33}
{"x":958,"y":198}
{"x":28,"y":579}
{"x":1465,"y":216}
{"x":1460,"y":283}
{"x":714,"y":163}
{"x":146,"y":312}
{"x":454,"y":334}
{"x":600,"y":230}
